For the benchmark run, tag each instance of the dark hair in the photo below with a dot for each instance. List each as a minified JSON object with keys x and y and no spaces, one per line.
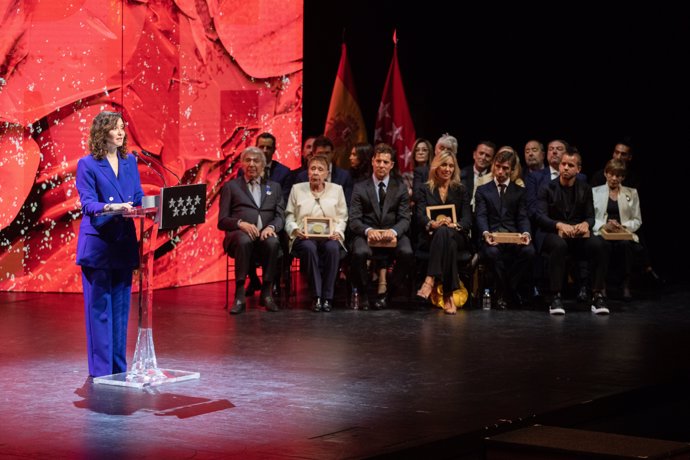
{"x":266,"y":136}
{"x":364,"y":152}
{"x":489,"y":144}
{"x":573,"y":151}
{"x":98,"y":136}
{"x":323,"y":141}
{"x":429,"y":147}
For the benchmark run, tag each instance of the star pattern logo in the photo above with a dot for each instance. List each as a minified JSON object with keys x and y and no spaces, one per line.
{"x":183,"y":206}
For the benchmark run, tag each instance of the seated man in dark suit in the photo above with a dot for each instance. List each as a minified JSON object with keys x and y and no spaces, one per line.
{"x":565,"y":216}
{"x":501,"y":206}
{"x":251,"y":213}
{"x":324,"y":146}
{"x":276,"y":172}
{"x":380,"y":211}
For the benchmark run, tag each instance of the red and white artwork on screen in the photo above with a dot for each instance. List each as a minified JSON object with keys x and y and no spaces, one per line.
{"x":196,"y":83}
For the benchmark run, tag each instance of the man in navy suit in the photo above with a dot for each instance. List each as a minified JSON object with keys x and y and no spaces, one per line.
{"x":251,"y":213}
{"x":324,"y":146}
{"x":380,"y":211}
{"x":107,"y":249}
{"x":501,"y":206}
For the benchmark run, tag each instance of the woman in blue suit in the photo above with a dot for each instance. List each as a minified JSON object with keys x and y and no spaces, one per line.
{"x":107,"y":251}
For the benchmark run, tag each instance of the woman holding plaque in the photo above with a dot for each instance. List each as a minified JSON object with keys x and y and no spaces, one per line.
{"x":617,"y":212}
{"x":108,"y":183}
{"x":445,"y":217}
{"x":315,"y":220}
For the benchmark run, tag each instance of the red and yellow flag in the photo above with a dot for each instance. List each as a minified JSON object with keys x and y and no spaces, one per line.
{"x":344,"y":124}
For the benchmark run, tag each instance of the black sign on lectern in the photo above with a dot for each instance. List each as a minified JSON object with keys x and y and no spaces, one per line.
{"x":182,"y":205}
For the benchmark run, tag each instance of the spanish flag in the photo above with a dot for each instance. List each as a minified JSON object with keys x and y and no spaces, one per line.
{"x":344,"y":124}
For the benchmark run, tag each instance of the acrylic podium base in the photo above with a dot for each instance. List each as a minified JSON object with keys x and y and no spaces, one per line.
{"x":145,"y":371}
{"x":152,"y":378}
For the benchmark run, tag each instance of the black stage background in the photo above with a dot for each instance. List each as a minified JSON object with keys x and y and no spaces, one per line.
{"x":582,"y":73}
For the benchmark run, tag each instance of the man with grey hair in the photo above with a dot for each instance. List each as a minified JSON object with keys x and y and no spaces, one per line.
{"x":252,"y":213}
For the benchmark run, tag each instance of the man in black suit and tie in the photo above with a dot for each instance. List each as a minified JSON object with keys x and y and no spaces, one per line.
{"x":251,"y":213}
{"x":501,"y":206}
{"x":565,"y":215}
{"x":379,"y":212}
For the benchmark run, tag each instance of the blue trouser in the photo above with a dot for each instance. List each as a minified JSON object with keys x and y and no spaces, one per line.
{"x":107,"y":295}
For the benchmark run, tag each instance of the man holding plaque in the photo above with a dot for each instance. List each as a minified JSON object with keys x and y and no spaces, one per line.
{"x":565,"y":215}
{"x":501,"y":207}
{"x":379,"y":220}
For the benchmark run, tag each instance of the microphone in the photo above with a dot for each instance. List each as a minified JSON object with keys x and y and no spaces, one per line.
{"x":159,"y":163}
{"x":148,"y":163}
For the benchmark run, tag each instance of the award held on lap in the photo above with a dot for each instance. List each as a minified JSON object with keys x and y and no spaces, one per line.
{"x":442,"y":212}
{"x":318,"y":227}
{"x":622,"y":234}
{"x":507,"y":237}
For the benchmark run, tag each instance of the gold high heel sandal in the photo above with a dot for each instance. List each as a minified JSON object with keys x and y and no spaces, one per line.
{"x":449,"y":306}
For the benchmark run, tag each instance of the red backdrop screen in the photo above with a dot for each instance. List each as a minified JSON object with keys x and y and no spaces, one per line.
{"x":197,"y":81}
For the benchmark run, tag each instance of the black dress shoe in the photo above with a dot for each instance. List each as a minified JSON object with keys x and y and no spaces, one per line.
{"x":501,"y":304}
{"x":327,"y":305}
{"x":317,"y":305}
{"x":381,"y":303}
{"x":238,"y":306}
{"x":364,"y":303}
{"x":269,"y":303}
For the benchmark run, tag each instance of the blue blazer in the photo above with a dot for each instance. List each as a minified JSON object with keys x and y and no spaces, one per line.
{"x":494,"y":215}
{"x":107,"y":242}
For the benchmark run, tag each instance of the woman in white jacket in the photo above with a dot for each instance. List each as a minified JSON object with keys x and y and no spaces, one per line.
{"x":617,"y":208}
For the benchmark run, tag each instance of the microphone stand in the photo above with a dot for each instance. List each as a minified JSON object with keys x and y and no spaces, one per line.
{"x":148,"y":163}
{"x":152,"y":157}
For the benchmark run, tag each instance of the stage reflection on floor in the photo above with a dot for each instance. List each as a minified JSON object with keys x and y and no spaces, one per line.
{"x":345,"y":384}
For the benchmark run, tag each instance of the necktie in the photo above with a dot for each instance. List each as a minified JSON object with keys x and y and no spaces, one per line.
{"x":382,"y":194}
{"x":501,"y":190}
{"x":267,"y":172}
{"x":256,"y":194}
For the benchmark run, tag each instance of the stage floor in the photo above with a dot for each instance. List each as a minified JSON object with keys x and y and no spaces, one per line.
{"x":405,"y":381}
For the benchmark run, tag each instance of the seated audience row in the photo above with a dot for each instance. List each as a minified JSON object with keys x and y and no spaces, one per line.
{"x":372,"y":211}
